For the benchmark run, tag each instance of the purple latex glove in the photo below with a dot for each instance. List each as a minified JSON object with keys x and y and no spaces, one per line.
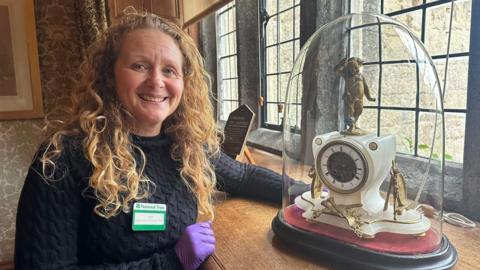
{"x":195,"y":245}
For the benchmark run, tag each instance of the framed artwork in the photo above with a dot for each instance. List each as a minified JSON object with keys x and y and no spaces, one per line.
{"x":20,"y":92}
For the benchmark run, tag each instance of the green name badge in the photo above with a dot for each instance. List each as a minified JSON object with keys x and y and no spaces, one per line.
{"x":149,"y":216}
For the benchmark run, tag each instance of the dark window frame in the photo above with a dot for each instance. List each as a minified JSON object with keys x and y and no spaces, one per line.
{"x":264,"y":18}
{"x":234,"y":103}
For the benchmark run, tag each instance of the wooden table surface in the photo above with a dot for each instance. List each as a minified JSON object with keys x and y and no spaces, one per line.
{"x":245,"y":239}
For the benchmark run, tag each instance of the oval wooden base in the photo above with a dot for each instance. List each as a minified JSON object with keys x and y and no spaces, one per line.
{"x":348,"y":256}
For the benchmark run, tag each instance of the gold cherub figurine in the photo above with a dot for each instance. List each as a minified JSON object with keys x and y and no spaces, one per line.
{"x":355,"y":89}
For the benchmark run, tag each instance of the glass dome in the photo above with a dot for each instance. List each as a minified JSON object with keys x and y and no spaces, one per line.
{"x":364,"y":129}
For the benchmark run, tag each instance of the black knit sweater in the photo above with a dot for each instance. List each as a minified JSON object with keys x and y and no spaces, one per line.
{"x":58,"y":229}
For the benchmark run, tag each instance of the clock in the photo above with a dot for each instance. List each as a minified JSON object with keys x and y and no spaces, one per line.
{"x":342,"y":167}
{"x":353,"y":168}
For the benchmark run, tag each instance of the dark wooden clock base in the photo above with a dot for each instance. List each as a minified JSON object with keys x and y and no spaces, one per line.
{"x":350,"y":256}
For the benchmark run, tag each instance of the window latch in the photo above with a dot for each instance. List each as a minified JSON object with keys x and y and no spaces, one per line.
{"x":264,"y":16}
{"x":260,"y":101}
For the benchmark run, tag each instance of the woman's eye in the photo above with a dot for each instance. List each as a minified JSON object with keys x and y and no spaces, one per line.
{"x":139,"y":67}
{"x":170,"y":72}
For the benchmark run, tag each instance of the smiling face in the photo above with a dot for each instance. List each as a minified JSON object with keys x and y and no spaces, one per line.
{"x":148,"y":78}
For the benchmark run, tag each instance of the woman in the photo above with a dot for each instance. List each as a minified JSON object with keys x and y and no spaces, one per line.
{"x":130,"y":165}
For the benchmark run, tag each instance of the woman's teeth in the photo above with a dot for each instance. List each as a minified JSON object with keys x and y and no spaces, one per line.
{"x":152,"y":98}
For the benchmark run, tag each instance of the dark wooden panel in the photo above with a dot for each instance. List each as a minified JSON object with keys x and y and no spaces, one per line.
{"x":169,"y":9}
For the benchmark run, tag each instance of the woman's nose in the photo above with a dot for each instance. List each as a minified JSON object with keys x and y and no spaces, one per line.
{"x":156,"y":79}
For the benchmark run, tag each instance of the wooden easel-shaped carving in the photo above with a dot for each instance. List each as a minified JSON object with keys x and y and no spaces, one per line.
{"x":236,"y":130}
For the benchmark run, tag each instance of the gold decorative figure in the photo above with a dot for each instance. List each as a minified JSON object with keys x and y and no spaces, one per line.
{"x":398,"y":189}
{"x":345,"y":211}
{"x":355,"y":89}
{"x":316,"y":186}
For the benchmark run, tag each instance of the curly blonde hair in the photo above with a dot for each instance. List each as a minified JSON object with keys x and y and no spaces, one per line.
{"x":97,"y":116}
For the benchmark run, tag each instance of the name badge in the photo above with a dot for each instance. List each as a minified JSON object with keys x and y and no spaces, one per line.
{"x":149,"y":217}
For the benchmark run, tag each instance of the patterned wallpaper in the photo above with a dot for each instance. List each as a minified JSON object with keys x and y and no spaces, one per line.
{"x":60,"y":54}
{"x":18,"y":141}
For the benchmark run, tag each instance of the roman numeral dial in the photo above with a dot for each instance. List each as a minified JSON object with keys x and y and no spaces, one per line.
{"x":342,"y":167}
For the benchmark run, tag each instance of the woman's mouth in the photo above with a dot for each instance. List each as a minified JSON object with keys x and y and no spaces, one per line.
{"x":152,"y":98}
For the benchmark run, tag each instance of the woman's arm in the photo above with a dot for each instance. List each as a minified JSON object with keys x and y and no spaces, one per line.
{"x":247,"y":180}
{"x":48,"y":224}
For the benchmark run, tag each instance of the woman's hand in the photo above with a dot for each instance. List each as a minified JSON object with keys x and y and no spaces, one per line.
{"x":195,"y":245}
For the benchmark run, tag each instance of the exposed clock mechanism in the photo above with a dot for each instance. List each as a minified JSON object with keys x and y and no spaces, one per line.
{"x":342,"y":167}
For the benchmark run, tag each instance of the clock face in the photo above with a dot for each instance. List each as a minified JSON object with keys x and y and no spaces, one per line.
{"x":342,"y":167}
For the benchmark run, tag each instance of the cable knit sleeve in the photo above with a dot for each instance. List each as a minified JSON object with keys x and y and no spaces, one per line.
{"x":48,"y":221}
{"x":247,"y":180}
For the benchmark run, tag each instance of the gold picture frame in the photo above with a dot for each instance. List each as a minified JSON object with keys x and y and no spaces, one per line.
{"x":20,"y":90}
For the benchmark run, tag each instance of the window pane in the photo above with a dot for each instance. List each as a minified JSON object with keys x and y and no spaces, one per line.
{"x":283,"y":87}
{"x":286,"y":25}
{"x":224,"y":86}
{"x":297,"y":49}
{"x":393,"y":48}
{"x":271,"y":60}
{"x":368,"y":120}
{"x":272,"y":114}
{"x":367,"y":51}
{"x":233,"y":66}
{"x":232,"y":21}
{"x":286,"y":57}
{"x":371,"y":73}
{"x":284,"y":4}
{"x":271,"y":32}
{"x":272,"y":85}
{"x":426,"y":133}
{"x":221,"y":25}
{"x":222,"y":46}
{"x":399,"y":86}
{"x":454,"y":136}
{"x":295,"y":94}
{"x":428,"y":97}
{"x":359,"y":6}
{"x":224,"y":70}
{"x":228,"y":67}
{"x":437,"y":24}
{"x":390,"y":6}
{"x":230,"y":91}
{"x":295,"y":116}
{"x":413,"y":20}
{"x":232,"y":43}
{"x":457,"y":80}
{"x":271,"y":6}
{"x":401,"y":124}
{"x":297,"y":22}
{"x":227,"y":108}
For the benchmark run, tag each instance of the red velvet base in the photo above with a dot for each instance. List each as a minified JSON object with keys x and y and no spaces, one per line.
{"x":383,"y":242}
